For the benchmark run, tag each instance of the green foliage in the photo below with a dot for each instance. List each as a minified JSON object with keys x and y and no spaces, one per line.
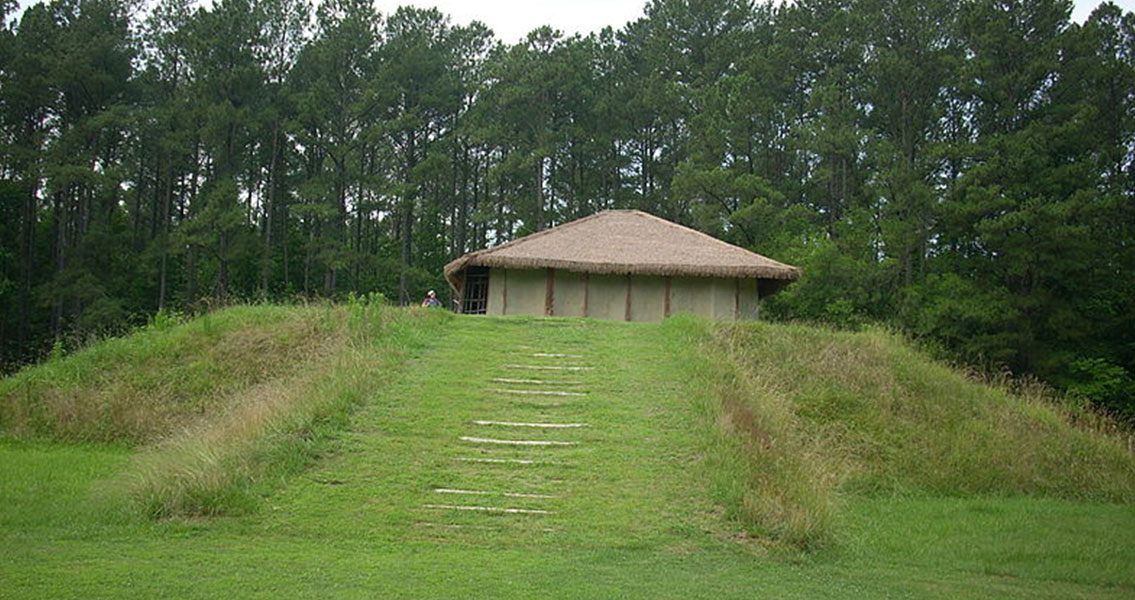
{"x":1103,"y":381}
{"x":835,"y":288}
{"x":165,"y":319}
{"x":957,"y":170}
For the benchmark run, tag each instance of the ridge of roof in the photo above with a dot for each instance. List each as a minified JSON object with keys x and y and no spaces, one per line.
{"x":541,"y":233}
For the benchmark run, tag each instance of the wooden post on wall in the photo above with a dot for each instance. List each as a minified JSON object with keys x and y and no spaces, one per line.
{"x":504,"y":291}
{"x":550,"y":293}
{"x":737,"y":299}
{"x":627,"y":317}
{"x":586,"y":292}
{"x":757,"y":306}
{"x":666,"y":311}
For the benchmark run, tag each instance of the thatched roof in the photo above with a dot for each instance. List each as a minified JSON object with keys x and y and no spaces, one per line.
{"x":625,"y":241}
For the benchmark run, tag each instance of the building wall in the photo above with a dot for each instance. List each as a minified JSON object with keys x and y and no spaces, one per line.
{"x":607,"y":297}
{"x":570,"y":294}
{"x":691,"y":295}
{"x":524,"y":292}
{"x":648,"y":298}
{"x":498,"y":281}
{"x":750,"y":299}
{"x":724,"y":299}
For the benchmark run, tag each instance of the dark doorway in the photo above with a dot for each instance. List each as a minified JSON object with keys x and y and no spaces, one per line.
{"x":475,"y":297}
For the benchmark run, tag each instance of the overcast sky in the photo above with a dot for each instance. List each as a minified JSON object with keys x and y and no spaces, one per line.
{"x":513,"y":19}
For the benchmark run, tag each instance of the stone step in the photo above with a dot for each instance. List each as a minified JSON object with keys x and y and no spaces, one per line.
{"x":540,"y":425}
{"x":477,"y":440}
{"x":488,"y":493}
{"x":495,"y":509}
{"x":538,"y":392}
{"x":548,"y":367}
{"x":536,"y":381}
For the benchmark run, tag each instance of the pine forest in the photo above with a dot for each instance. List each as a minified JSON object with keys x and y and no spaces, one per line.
{"x":962,"y":171}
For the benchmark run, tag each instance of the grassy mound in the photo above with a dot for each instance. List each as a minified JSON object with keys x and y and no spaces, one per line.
{"x":221,"y":406}
{"x":807,"y":416}
{"x":143,"y":387}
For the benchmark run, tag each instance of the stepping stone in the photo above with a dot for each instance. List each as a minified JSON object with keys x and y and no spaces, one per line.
{"x":477,"y":440}
{"x":531,"y":348}
{"x":548,"y":368}
{"x":536,"y":381}
{"x":547,"y":425}
{"x":455,"y":526}
{"x":498,"y":509}
{"x":540,"y":405}
{"x":540,"y":392}
{"x":452,"y":491}
{"x":515,"y":461}
{"x":484,"y":493}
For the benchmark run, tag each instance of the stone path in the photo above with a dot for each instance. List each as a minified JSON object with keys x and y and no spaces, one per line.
{"x":502,"y":413}
{"x":460,"y":448}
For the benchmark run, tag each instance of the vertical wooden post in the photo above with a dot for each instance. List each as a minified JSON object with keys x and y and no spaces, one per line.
{"x":757,"y":303}
{"x":504,"y":291}
{"x":550,"y":293}
{"x":586,"y":292}
{"x":627,"y":317}
{"x":737,"y":299}
{"x":666,"y":311}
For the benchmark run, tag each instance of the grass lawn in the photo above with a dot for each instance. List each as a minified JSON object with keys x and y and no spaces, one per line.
{"x":628,"y":511}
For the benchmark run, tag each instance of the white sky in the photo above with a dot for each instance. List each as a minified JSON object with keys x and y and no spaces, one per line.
{"x":1085,"y":8}
{"x":513,"y":19}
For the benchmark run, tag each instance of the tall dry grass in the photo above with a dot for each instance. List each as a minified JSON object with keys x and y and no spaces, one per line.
{"x":779,"y":485}
{"x":143,"y":387}
{"x":221,"y":406}
{"x":215,"y":465}
{"x":803,"y":416}
{"x":903,"y":423}
{"x":222,"y":464}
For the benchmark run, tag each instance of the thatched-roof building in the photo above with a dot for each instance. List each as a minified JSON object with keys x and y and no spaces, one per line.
{"x":619,"y":264}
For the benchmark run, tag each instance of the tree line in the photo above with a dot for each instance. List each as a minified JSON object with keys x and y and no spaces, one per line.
{"x":960,"y":170}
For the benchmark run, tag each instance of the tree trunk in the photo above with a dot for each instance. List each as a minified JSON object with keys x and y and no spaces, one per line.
{"x":60,"y":234}
{"x":28,"y":263}
{"x":540,"y":217}
{"x":164,"y":216}
{"x":269,"y":209}
{"x":407,"y":222}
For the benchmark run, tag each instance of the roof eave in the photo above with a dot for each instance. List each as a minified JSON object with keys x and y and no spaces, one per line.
{"x":782,"y":272}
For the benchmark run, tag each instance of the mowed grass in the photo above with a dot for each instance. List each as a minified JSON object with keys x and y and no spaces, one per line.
{"x":637,"y":509}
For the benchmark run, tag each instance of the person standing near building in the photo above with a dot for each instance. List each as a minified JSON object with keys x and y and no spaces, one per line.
{"x":431,"y":300}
